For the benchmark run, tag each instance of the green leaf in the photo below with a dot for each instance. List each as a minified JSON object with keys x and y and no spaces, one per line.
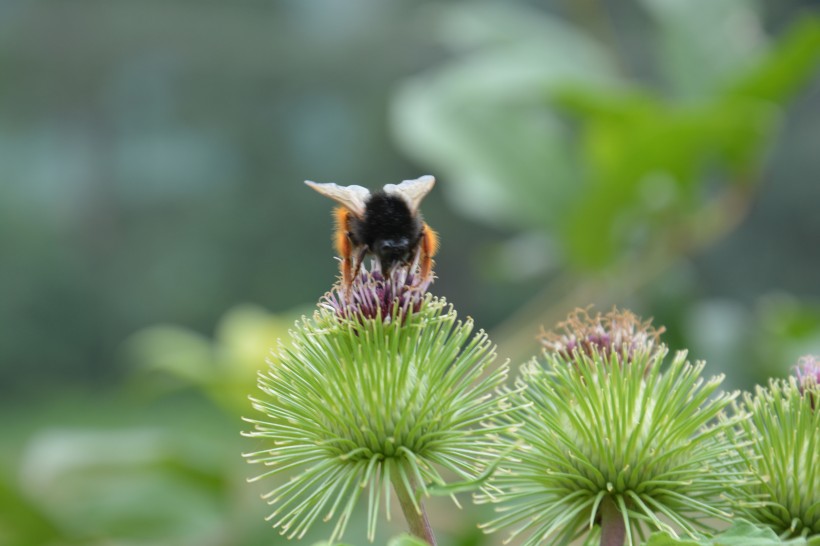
{"x":645,"y":162}
{"x":174,"y":350}
{"x":137,"y":484}
{"x":399,"y":540}
{"x":742,"y":533}
{"x":22,"y":521}
{"x":223,"y":367}
{"x":406,"y":540}
{"x":794,"y":59}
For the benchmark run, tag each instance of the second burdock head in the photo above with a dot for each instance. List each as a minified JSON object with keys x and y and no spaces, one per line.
{"x":612,"y":438}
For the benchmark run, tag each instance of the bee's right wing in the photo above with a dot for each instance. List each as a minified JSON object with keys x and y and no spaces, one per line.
{"x":353,"y":198}
{"x":412,"y":191}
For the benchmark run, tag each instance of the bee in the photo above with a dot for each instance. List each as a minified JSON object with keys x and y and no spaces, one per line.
{"x":385,"y":224}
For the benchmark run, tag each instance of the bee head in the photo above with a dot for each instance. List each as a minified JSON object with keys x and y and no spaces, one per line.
{"x":392,"y":251}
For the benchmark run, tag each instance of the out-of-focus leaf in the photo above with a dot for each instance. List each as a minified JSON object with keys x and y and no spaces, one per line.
{"x":177,"y":351}
{"x":787,"y":329}
{"x":643,"y":168}
{"x":794,"y":59}
{"x":647,"y":160}
{"x":225,"y":368}
{"x":482,"y":121}
{"x":22,"y":522}
{"x":705,"y":44}
{"x":400,"y":540}
{"x":245,"y":332}
{"x":244,"y":339}
{"x":742,"y":533}
{"x":406,"y":540}
{"x":133,"y":484}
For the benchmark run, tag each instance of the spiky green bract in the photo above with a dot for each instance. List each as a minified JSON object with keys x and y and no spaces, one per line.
{"x":356,"y":404}
{"x":617,"y":436}
{"x":784,"y":456}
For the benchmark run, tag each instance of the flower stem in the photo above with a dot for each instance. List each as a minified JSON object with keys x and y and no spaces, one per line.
{"x":416,"y":518}
{"x":613,"y":532}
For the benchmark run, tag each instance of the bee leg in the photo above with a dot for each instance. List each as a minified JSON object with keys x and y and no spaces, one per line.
{"x":346,"y":270}
{"x":416,"y":257}
{"x":429,"y":247}
{"x":375,"y":262}
{"x":358,"y":258}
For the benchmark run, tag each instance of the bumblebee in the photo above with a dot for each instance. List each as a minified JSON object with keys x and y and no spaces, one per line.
{"x":385,"y":224}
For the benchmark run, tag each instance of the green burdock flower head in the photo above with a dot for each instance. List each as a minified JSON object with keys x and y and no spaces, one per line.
{"x":612,"y":442}
{"x":383,"y":386}
{"x":783,"y":453}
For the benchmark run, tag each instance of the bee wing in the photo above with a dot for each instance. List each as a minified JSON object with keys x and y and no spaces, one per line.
{"x":353,"y":198}
{"x":412,"y":191}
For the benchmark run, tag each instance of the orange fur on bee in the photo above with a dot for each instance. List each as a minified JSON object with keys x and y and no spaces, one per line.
{"x":341,"y":240}
{"x":429,"y":247}
{"x":342,"y":243}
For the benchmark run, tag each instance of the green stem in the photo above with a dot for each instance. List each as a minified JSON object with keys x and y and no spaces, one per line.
{"x":414,"y":513}
{"x":613,"y":531}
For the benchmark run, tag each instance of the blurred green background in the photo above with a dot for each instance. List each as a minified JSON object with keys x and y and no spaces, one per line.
{"x":661,"y":155}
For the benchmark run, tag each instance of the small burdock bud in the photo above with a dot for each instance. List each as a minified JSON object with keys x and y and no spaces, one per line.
{"x":808,"y":370}
{"x":618,"y":333}
{"x":382,"y":387}
{"x":782,"y":450}
{"x":610,"y":441}
{"x":807,"y":373}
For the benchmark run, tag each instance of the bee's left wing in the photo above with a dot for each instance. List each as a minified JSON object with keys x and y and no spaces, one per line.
{"x":353,"y":198}
{"x":412,"y":191}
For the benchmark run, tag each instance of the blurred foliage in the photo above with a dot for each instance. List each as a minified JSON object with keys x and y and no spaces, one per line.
{"x":539,"y":128}
{"x":401,"y":540}
{"x":224,"y":368}
{"x":110,"y":470}
{"x":658,"y":154}
{"x":535,"y":129}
